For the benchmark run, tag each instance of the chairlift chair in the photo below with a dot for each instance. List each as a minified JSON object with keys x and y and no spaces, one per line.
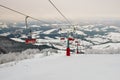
{"x":71,"y":39}
{"x":76,"y":41}
{"x":78,"y":44}
{"x":29,"y":40}
{"x":62,"y":38}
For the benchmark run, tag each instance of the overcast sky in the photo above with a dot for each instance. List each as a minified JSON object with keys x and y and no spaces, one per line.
{"x":73,"y":9}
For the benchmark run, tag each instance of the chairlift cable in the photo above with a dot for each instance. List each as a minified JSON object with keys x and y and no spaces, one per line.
{"x":60,"y":12}
{"x":21,"y":13}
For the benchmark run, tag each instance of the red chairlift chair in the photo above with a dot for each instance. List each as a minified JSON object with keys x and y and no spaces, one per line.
{"x":29,"y":40}
{"x":62,"y":38}
{"x":76,"y":41}
{"x":71,"y":39}
{"x":78,"y":44}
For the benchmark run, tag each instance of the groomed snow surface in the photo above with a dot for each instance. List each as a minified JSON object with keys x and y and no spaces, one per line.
{"x":61,"y":67}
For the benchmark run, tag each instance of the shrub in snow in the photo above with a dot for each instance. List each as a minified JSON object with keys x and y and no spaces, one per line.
{"x":7,"y":57}
{"x":29,"y":53}
{"x":47,"y":52}
{"x":103,"y":51}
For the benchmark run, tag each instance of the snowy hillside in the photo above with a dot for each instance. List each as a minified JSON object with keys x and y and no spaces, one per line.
{"x":60,"y":67}
{"x":90,"y":36}
{"x":100,"y":43}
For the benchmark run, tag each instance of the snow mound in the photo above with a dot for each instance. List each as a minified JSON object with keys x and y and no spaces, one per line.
{"x":49,"y":31}
{"x":114,"y":36}
{"x":59,"y":67}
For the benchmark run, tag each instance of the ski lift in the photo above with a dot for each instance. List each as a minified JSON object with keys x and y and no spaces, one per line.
{"x":29,"y":40}
{"x":76,"y":41}
{"x":62,"y":38}
{"x":71,"y":39}
{"x":78,"y":44}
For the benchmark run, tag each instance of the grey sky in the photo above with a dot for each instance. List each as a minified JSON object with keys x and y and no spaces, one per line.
{"x":73,"y":9}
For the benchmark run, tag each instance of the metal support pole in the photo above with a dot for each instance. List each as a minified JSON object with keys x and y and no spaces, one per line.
{"x":26,"y":23}
{"x":77,"y":50}
{"x":68,"y":47}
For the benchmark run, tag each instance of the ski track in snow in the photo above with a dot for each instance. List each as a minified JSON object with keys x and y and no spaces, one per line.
{"x":61,"y":67}
{"x":49,"y":31}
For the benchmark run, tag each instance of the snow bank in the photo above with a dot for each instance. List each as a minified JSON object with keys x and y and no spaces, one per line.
{"x":18,"y":39}
{"x":114,"y":36}
{"x":29,"y":53}
{"x":97,"y":40}
{"x":5,"y":34}
{"x":107,"y":46}
{"x":49,"y":31}
{"x":103,"y":51}
{"x":75,"y":67}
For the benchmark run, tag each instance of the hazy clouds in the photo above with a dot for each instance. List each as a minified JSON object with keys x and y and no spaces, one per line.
{"x":73,"y":9}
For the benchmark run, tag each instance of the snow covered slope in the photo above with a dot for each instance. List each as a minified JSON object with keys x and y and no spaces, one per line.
{"x":89,"y":35}
{"x":60,"y":67}
{"x":49,"y":31}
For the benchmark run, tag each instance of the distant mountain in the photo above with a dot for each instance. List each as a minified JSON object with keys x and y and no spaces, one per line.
{"x":8,"y":45}
{"x":3,"y":25}
{"x":90,"y":36}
